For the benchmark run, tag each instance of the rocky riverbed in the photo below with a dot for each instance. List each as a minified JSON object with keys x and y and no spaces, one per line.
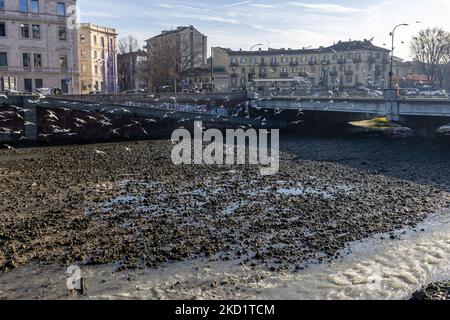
{"x":127,"y":204}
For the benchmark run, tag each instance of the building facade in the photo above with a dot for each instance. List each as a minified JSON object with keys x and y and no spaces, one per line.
{"x":37,"y":45}
{"x":193,"y":44}
{"x":97,"y":55}
{"x":129,"y":68}
{"x":343,"y":65}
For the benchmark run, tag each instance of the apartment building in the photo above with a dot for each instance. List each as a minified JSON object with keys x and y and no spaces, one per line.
{"x":192,"y":45}
{"x":37,"y":45}
{"x":342,"y":65}
{"x":97,"y":55}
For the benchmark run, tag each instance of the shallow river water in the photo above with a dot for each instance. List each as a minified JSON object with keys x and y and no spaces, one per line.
{"x":378,"y":268}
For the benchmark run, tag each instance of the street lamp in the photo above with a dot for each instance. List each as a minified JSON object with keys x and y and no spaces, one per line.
{"x":392,"y":34}
{"x":250,"y":74}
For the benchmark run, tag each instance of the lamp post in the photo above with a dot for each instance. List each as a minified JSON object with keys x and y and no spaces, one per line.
{"x":250,"y":74}
{"x":392,"y":34}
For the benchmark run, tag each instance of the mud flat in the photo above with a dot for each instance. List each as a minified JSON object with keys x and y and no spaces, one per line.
{"x":124,"y":207}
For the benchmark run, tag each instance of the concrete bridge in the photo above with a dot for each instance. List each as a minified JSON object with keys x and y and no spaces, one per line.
{"x":98,"y":118}
{"x":27,"y":118}
{"x":425,"y":116}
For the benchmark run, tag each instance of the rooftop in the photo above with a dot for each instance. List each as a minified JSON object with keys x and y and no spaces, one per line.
{"x":98,"y":28}
{"x":338,"y":47}
{"x":171,"y":32}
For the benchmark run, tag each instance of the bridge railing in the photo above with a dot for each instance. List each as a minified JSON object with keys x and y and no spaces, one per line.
{"x":117,"y":98}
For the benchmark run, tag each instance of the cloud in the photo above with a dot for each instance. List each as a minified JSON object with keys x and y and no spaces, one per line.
{"x":266,"y":6}
{"x":325,"y":7}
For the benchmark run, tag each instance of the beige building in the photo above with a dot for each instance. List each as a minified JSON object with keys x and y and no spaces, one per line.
{"x":342,"y":65}
{"x":37,"y":45}
{"x":193,"y":45}
{"x":97,"y":55}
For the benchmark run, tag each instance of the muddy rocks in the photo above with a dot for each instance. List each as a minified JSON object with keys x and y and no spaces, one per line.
{"x":435,"y":291}
{"x":126,"y":209}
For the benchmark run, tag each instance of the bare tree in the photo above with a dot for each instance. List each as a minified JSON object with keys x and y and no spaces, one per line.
{"x":128,"y":44}
{"x":431,"y":48}
{"x":170,"y":59}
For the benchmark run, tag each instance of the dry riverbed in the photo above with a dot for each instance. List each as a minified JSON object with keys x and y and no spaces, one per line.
{"x":128,"y":205}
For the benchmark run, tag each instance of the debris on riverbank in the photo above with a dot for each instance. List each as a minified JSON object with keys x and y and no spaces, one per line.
{"x":127,"y":203}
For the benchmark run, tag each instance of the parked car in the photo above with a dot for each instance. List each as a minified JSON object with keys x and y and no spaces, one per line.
{"x":11,"y":92}
{"x":434,"y":93}
{"x":375,"y":93}
{"x":409,"y":92}
{"x":49,"y":91}
{"x":164,"y":89}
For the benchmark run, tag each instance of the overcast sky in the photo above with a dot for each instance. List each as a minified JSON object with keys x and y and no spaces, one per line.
{"x":278,"y":24}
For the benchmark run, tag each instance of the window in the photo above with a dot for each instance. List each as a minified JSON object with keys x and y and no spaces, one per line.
{"x":103,"y":42}
{"x":62,"y":33}
{"x":63,"y":61}
{"x":34,"y":6}
{"x":25,"y":30}
{"x":39,"y":83}
{"x":95,"y":39}
{"x":23,"y":5}
{"x":82,"y":38}
{"x":3,"y":59}
{"x":2,"y":5}
{"x":36,"y":30}
{"x":96,"y":69}
{"x":61,"y":9}
{"x":95,"y":54}
{"x":2,"y":29}
{"x":28,"y":85}
{"x":37,"y":60}
{"x":26,"y":59}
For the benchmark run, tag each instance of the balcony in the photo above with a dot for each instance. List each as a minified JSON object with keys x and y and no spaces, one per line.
{"x":333,"y":73}
{"x":273,"y":63}
{"x":234,"y":64}
{"x":312,"y":62}
{"x":342,"y":60}
{"x":284,"y":74}
{"x":325,"y":62}
{"x":293,"y":63}
{"x":386,"y":61}
{"x":234,"y":75}
{"x":357,"y":60}
{"x":348,"y":72}
{"x":372,"y":59}
{"x":263,"y":64}
{"x":303,"y":74}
